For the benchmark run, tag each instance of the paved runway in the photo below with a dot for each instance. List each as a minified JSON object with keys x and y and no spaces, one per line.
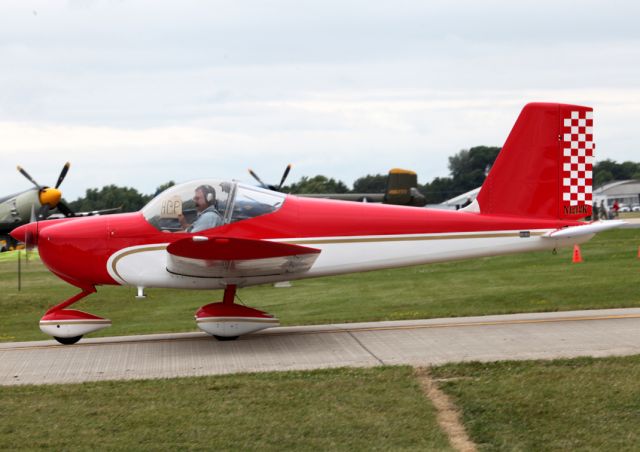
{"x":415,"y":342}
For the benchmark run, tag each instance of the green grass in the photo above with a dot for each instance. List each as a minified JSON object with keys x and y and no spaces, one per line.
{"x":583,"y":404}
{"x":12,"y":256}
{"x":518,"y":283}
{"x":579,"y":404}
{"x":344,"y":409}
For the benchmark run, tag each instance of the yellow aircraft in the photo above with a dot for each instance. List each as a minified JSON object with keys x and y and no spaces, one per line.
{"x":34,"y":204}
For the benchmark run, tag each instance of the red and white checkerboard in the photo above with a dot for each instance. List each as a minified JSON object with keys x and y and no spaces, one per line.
{"x":578,"y":159}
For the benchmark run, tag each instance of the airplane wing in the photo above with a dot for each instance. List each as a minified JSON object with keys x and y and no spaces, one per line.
{"x":586,"y":229}
{"x":220,"y":257}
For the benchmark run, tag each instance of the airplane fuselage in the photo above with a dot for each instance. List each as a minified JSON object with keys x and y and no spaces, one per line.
{"x":125,"y":249}
{"x":15,"y":209}
{"x":213,"y":234}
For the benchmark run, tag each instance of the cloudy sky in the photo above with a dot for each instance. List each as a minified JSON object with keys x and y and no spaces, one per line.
{"x":137,"y":92}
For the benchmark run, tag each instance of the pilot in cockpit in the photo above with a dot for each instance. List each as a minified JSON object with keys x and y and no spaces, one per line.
{"x":208,"y":216}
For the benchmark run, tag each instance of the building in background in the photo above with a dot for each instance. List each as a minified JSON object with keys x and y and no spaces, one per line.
{"x":626,"y":192}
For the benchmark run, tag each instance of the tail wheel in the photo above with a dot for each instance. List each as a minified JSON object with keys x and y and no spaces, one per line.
{"x":67,"y":340}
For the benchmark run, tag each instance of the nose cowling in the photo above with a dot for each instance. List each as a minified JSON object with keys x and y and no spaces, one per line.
{"x":27,"y":233}
{"x":76,"y":249}
{"x":19,"y":233}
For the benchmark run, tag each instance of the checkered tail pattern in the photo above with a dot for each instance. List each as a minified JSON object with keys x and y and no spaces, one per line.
{"x":578,"y":159}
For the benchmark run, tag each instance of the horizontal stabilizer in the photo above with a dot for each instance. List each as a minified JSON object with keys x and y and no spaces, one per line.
{"x":586,"y":229}
{"x":224,"y":257}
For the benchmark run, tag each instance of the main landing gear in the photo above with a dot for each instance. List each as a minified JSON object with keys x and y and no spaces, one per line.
{"x":226,"y":320}
{"x":67,"y":326}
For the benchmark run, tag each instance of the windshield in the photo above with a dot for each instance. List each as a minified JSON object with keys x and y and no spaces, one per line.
{"x":251,"y":202}
{"x":205,"y":204}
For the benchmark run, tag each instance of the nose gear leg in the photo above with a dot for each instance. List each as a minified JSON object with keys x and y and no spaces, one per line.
{"x":67,"y":326}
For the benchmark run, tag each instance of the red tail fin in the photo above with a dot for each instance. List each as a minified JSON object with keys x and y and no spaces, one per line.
{"x":545,"y":167}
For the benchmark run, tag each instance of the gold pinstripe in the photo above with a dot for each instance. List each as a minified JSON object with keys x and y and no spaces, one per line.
{"x":127,"y":253}
{"x":406,"y":238}
{"x":344,"y":240}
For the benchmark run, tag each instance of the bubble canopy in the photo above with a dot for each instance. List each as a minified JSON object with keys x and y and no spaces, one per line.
{"x":208,"y":203}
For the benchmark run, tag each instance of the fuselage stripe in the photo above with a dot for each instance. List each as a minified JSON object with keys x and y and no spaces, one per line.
{"x":134,"y":251}
{"x":346,"y":240}
{"x":407,"y":238}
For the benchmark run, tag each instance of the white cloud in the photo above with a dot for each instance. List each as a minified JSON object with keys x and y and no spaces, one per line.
{"x":139,"y":92}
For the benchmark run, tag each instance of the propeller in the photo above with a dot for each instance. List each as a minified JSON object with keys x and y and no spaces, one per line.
{"x":50,"y":198}
{"x":255,"y":176}
{"x":269,"y":186}
{"x":33,"y":215}
{"x":63,"y":173}
{"x":31,"y":236}
{"x":25,"y":174}
{"x":65,"y":210}
{"x":284,"y":176}
{"x":30,"y":242}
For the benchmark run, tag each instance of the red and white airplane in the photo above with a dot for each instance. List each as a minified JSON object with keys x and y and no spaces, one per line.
{"x":211,"y":234}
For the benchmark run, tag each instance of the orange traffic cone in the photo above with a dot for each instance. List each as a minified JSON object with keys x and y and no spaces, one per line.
{"x":577,"y":256}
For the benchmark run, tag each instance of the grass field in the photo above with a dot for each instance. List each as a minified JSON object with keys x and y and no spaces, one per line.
{"x":580,"y":404}
{"x":608,"y":278}
{"x":583,"y":404}
{"x":344,"y":409}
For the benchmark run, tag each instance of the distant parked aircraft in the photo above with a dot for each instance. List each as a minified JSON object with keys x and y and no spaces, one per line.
{"x":32,"y":204}
{"x":402,"y":190}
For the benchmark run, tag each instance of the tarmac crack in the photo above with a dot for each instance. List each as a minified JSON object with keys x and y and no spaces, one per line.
{"x":448,"y":414}
{"x":364,"y":347}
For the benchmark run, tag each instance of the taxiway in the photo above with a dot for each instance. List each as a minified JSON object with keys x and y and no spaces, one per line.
{"x":415,"y":342}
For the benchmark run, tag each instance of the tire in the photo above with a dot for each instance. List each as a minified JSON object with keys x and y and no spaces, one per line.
{"x":226,"y":338}
{"x":67,"y":340}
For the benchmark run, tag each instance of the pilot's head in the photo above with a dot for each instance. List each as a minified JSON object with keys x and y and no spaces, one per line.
{"x":205,"y":196}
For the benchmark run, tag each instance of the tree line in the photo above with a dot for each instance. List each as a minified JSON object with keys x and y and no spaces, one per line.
{"x":127,"y":198}
{"x":467,"y":170}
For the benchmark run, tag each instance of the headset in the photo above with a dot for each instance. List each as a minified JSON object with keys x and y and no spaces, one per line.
{"x":209,"y":193}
